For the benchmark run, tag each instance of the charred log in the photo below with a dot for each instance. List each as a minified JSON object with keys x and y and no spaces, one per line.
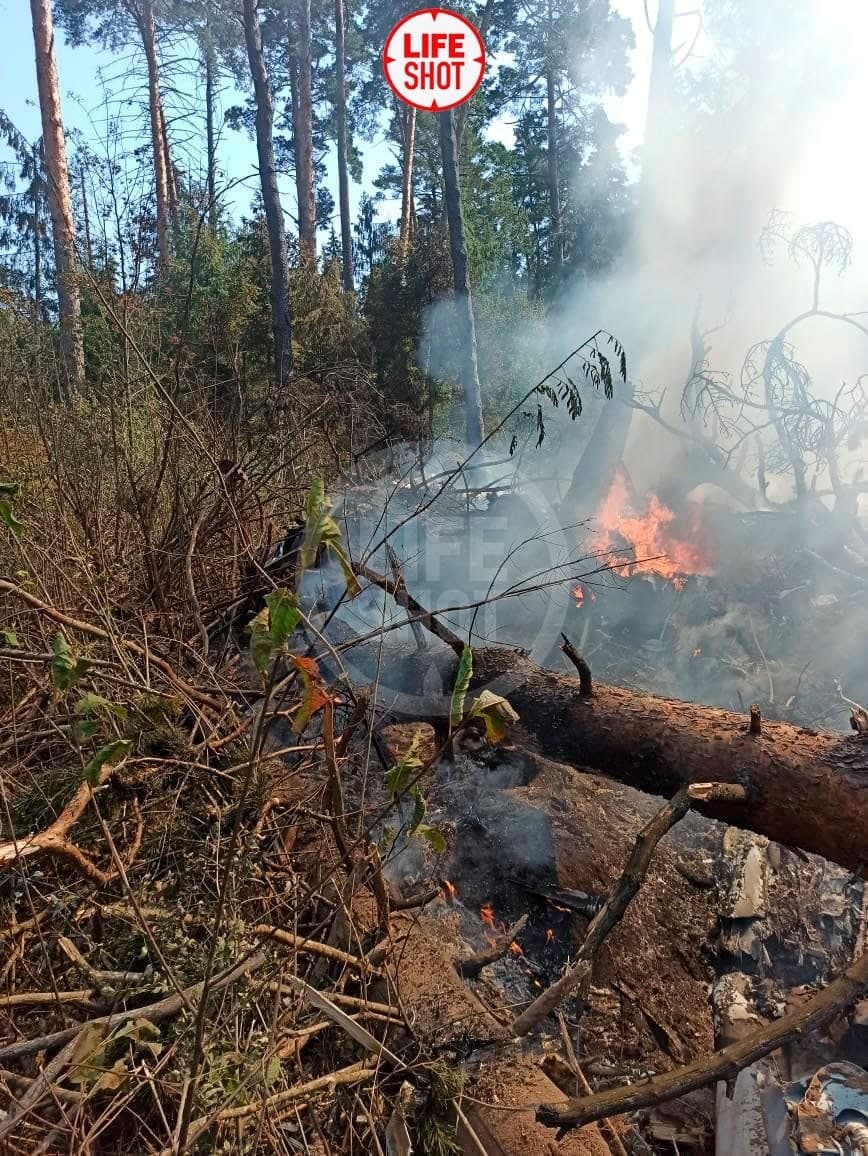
{"x":803,"y":788}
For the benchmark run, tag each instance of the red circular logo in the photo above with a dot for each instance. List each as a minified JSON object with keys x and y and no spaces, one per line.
{"x":434,"y":59}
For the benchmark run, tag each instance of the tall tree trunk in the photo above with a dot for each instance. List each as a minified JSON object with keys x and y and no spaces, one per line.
{"x":210,"y":65}
{"x":171,"y":173}
{"x":146,"y":22}
{"x":59,"y":199}
{"x":409,"y":156}
{"x":660,"y":95}
{"x":553,"y":176}
{"x":343,"y":169}
{"x":85,"y":216}
{"x":280,"y":318}
{"x":303,"y":133}
{"x":473,"y":427}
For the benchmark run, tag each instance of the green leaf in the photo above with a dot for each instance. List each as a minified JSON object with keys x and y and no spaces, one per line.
{"x":84,"y":729}
{"x":94,"y":703}
{"x":320,"y":529}
{"x":459,"y":691}
{"x":110,"y":753}
{"x":399,"y":776}
{"x":66,"y":668}
{"x":433,"y":836}
{"x":283,"y":614}
{"x":272,"y":1071}
{"x":418,"y":809}
{"x":86,"y":1063}
{"x":497,"y":714}
{"x":9,"y":637}
{"x":144,"y":1034}
{"x":261,"y":643}
{"x":7,"y":515}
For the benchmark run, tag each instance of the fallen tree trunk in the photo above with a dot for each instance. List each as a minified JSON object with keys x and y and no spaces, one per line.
{"x":804,"y":788}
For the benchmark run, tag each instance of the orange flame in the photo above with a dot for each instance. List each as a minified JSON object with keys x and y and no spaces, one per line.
{"x":550,"y":935}
{"x":515,"y":949}
{"x":449,"y":890}
{"x":486,"y":914}
{"x":578,"y":595}
{"x":661,"y":546}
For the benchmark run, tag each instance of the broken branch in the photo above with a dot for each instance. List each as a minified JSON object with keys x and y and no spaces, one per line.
{"x":721,"y":1065}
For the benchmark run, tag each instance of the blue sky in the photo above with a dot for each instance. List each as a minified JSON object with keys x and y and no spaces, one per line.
{"x":81,"y":92}
{"x":828,"y":180}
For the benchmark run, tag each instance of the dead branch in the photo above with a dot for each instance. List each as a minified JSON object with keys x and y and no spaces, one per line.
{"x":162,"y":1010}
{"x":404,"y":598}
{"x":586,"y":682}
{"x":314,"y":947}
{"x":612,"y":911}
{"x":353,"y":1029}
{"x":471,"y":967}
{"x":53,"y":840}
{"x":721,"y":1065}
{"x":546,"y":1003}
{"x":414,"y":901}
{"x":128,"y":644}
{"x":354,"y":1074}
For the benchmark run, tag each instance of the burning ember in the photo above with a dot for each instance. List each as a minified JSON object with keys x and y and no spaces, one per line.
{"x":515,"y":949}
{"x":449,"y":890}
{"x":661,"y":544}
{"x":550,"y":935}
{"x":486,"y":914}
{"x":579,"y":596}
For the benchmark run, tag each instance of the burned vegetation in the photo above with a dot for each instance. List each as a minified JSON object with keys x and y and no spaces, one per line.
{"x":324,"y":854}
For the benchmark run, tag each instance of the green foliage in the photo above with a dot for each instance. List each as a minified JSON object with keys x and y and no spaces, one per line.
{"x":459,"y":691}
{"x":66,"y":667}
{"x":398,"y":778}
{"x":108,"y":755}
{"x":497,"y":714}
{"x":8,"y":491}
{"x":272,"y":626}
{"x":321,"y":530}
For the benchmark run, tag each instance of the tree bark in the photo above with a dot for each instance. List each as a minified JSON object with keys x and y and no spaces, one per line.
{"x":146,"y":23}
{"x":408,"y":157}
{"x":210,"y":65}
{"x":553,"y":177}
{"x":804,"y":788}
{"x":59,"y":199}
{"x":303,"y":134}
{"x":343,"y":169}
{"x":660,"y":96}
{"x":279,"y":295}
{"x":473,"y":426}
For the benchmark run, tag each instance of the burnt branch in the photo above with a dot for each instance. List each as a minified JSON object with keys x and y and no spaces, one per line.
{"x":721,"y":1065}
{"x":471,"y":967}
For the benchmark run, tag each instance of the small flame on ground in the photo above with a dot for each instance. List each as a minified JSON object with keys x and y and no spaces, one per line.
{"x":550,"y":935}
{"x":558,"y":907}
{"x":486,"y":914}
{"x":697,"y":652}
{"x":515,"y":949}
{"x":449,"y":890}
